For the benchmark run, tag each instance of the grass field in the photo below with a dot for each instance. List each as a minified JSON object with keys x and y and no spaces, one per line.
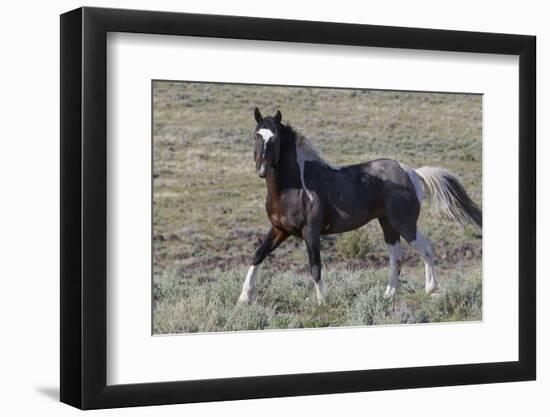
{"x":209,"y":213}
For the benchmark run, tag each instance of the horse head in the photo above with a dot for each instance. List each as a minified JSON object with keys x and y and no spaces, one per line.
{"x":267,"y":142}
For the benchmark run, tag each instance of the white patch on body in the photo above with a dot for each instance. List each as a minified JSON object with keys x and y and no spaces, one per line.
{"x":301,"y":158}
{"x":396,"y":252}
{"x":426,"y":250}
{"x":341,"y":212}
{"x":305,"y":151}
{"x":249,"y":291}
{"x":416,"y":181}
{"x":320,"y":290}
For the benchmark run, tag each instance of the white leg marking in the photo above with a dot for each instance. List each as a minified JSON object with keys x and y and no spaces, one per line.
{"x":395,"y":251}
{"x":320,"y":289}
{"x":249,"y":292}
{"x":426,"y":250}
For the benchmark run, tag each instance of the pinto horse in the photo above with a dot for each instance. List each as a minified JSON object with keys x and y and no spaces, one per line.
{"x":308,"y":197}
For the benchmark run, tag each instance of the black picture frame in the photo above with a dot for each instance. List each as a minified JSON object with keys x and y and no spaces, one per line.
{"x":84,"y":207}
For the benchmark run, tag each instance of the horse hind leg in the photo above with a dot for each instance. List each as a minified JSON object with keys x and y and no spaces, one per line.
{"x":393,"y":244}
{"x":427,"y":253}
{"x":406,"y":227}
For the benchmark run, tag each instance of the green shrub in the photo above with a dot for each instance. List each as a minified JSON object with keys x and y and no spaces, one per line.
{"x":354,"y":245}
{"x":370,"y":308}
{"x":247,"y":317}
{"x":462,"y":299}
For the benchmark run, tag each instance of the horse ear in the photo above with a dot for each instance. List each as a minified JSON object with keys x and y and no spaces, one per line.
{"x":258,"y":115}
{"x":278,"y":116}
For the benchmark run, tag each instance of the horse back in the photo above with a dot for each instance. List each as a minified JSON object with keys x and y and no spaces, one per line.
{"x":353,"y":195}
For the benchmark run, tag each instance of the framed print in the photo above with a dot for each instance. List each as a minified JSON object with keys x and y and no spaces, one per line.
{"x":256,"y":208}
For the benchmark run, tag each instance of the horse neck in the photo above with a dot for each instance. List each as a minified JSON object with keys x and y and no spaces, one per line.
{"x":286,"y":174}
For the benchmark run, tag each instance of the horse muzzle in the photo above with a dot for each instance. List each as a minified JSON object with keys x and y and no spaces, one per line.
{"x":262,"y":171}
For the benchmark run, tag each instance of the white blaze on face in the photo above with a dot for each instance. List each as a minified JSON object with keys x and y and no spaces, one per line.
{"x":266,"y":135}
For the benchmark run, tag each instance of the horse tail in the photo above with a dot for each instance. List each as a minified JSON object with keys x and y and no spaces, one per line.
{"x":448,"y":197}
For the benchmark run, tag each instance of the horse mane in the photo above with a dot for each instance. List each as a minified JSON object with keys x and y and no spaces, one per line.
{"x":306,"y":147}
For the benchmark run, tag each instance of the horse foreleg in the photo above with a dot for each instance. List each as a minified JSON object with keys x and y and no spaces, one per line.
{"x":273,"y":239}
{"x":249,"y":291}
{"x":312,"y":238}
{"x":427,"y":253}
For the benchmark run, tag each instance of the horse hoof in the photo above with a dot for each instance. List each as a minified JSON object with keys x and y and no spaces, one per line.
{"x":247,"y":297}
{"x":431,"y":288}
{"x":389,"y":293}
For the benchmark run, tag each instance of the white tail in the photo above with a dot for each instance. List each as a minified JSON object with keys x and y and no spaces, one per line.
{"x":448,"y":197}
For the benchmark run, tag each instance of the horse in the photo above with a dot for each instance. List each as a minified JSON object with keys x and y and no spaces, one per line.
{"x":308,"y":197}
